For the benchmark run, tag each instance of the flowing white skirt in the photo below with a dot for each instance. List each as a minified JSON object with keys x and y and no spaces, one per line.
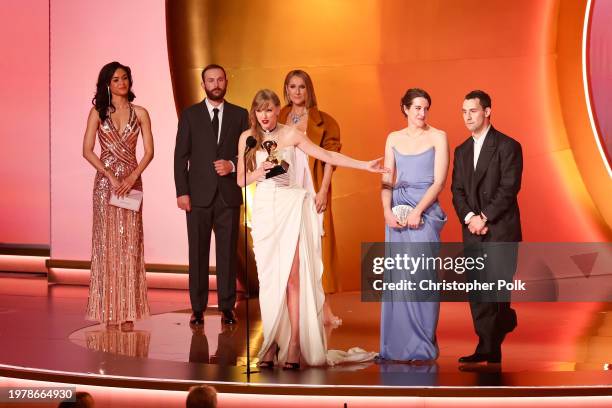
{"x":284,"y":218}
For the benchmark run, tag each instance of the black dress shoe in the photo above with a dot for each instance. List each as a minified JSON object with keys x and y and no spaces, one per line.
{"x":196,"y":319}
{"x":229,"y":317}
{"x":493,"y":358}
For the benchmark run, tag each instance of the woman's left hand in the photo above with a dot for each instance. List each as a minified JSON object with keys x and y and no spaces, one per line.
{"x":321,"y":201}
{"x":375,"y":166}
{"x":414,"y":219}
{"x":126,"y":185}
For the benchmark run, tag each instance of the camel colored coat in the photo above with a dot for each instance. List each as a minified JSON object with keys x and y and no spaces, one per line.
{"x":324,"y":131}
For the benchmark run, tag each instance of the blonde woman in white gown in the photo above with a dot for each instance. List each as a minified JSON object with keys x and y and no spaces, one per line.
{"x":286,"y":234}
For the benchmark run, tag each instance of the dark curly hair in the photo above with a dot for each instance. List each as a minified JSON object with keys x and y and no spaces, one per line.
{"x":102,"y":98}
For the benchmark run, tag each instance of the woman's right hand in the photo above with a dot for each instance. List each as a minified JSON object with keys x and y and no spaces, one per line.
{"x":264,"y":168}
{"x":376,"y":166}
{"x":115,"y":183}
{"x":391,"y":220}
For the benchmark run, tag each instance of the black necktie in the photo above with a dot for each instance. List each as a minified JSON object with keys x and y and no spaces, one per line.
{"x":215,"y":123}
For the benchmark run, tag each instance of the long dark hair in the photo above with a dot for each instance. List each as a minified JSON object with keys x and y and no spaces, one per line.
{"x":102,"y":98}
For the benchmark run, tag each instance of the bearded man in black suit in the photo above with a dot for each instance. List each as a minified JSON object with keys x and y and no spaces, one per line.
{"x":205,"y":177}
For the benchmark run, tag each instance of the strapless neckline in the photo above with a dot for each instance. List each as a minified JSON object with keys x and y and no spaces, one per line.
{"x":413,"y":154}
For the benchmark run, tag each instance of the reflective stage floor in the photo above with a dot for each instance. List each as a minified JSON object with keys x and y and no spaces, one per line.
{"x":558,"y":349}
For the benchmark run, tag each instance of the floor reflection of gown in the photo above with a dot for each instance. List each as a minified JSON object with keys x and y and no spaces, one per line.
{"x":408,"y":328}
{"x":117,"y":290}
{"x":284,"y":217}
{"x":132,"y":343}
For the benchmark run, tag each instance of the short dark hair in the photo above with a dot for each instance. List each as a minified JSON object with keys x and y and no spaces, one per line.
{"x":201,"y":396}
{"x":482,"y":96}
{"x":410,"y":95}
{"x":82,"y":399}
{"x":213,"y":66}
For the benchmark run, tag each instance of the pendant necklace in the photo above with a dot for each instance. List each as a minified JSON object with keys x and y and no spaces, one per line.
{"x":295,"y":118}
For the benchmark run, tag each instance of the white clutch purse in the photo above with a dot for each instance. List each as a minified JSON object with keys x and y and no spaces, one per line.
{"x":132,"y":201}
{"x":401,"y":213}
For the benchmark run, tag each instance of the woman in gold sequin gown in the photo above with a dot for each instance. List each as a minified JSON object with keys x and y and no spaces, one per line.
{"x":117,"y":290}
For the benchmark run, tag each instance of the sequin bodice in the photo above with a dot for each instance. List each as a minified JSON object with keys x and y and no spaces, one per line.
{"x":118,"y":147}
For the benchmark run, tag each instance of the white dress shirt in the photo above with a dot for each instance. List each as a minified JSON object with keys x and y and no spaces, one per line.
{"x":478,"y":145}
{"x":210,"y":108}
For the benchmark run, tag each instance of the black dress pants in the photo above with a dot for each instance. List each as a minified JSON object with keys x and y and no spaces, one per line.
{"x":223,"y":220}
{"x":491,"y":312}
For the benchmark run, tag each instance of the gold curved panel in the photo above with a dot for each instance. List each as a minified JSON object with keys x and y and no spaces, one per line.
{"x":585,"y":154}
{"x":364,"y":54}
{"x":188,"y":36}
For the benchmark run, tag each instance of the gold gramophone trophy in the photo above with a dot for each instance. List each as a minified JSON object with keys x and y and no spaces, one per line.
{"x":281,"y":166}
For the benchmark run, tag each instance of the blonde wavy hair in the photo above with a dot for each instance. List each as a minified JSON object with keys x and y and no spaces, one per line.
{"x":262,"y":100}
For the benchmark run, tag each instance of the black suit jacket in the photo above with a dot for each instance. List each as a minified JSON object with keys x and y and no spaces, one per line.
{"x":196,"y":149}
{"x":492,"y":188}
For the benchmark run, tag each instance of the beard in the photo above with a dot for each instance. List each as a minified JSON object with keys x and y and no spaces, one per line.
{"x":216,"y":94}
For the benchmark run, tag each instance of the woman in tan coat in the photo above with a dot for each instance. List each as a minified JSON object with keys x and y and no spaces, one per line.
{"x":302,"y":112}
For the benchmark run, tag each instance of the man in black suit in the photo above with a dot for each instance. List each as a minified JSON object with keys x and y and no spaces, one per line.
{"x":205,"y":177}
{"x":486,"y":180}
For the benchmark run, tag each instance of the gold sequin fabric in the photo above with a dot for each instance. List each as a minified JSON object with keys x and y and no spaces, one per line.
{"x":117,"y":289}
{"x":116,"y":341}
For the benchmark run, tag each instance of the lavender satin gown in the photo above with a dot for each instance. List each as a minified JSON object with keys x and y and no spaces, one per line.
{"x":408,"y":328}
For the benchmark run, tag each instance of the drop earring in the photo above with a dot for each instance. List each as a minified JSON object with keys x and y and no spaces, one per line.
{"x":109,"y":95}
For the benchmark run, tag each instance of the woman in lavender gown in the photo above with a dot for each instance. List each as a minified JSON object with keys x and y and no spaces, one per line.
{"x":418,"y":158}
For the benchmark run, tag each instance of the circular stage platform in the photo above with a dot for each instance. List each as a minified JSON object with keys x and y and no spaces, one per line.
{"x":558,"y":350}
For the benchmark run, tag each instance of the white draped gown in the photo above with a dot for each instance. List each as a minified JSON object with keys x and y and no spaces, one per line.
{"x":283,"y":217}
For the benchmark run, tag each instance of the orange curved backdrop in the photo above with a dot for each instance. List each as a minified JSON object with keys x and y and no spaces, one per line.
{"x":363,"y":55}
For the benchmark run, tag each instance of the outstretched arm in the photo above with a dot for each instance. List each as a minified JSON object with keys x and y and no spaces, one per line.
{"x":337,"y":159}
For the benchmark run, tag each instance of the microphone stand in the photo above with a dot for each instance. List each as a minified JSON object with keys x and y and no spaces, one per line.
{"x":246,"y":271}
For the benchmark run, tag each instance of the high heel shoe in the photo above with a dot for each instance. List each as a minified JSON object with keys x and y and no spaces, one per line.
{"x":292,"y":366}
{"x":269,"y":363}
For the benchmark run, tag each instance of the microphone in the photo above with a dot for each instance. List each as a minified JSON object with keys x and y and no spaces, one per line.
{"x":251,"y":142}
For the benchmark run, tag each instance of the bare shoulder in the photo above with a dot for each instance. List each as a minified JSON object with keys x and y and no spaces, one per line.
{"x":93,"y":116}
{"x":244,"y":135}
{"x":438,"y":138}
{"x":394,"y":135}
{"x":437,"y":134}
{"x":140,"y":111}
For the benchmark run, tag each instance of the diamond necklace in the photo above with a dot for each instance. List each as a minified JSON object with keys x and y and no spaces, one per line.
{"x":295,"y":118}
